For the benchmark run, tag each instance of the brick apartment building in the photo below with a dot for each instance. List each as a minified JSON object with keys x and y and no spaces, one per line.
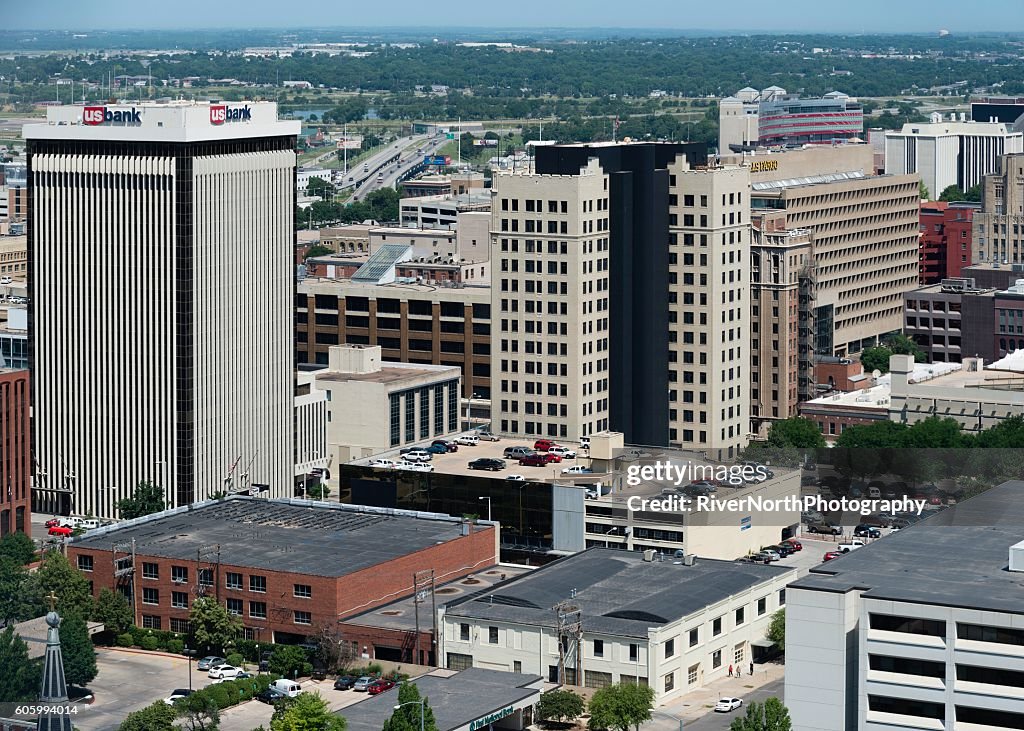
{"x":284,"y":567}
{"x":945,"y":239}
{"x":15,"y":495}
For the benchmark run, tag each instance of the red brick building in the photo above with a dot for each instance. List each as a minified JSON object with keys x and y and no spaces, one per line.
{"x":15,"y":487}
{"x":284,"y":567}
{"x":945,"y":246}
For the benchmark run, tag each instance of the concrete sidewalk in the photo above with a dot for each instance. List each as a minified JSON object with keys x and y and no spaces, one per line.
{"x":699,"y":702}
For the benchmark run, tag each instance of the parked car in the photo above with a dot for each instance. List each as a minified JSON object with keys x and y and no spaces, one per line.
{"x":265,"y":661}
{"x":725,"y":705}
{"x":447,"y":444}
{"x":417,"y":455}
{"x":486,"y":436}
{"x":772,"y":554}
{"x":824,"y":527}
{"x":707,"y":485}
{"x":515,"y":478}
{"x":384,"y":464}
{"x":797,"y":545}
{"x":437,"y":449}
{"x":224,"y":671}
{"x":851,"y":545}
{"x":60,"y":530}
{"x":866,"y":531}
{"x":379,"y":686}
{"x":577,"y":469}
{"x":467,"y":440}
{"x":538,"y":459}
{"x":763,"y":557}
{"x":177,"y":694}
{"x":52,"y":522}
{"x":486,"y":463}
{"x":210,"y":661}
{"x":543,"y":445}
{"x":363,"y":683}
{"x":414,"y":466}
{"x":288,"y":687}
{"x":345,"y":682}
{"x":783,"y":549}
{"x":584,"y":442}
{"x":831,"y":555}
{"x":270,"y":696}
{"x":563,"y":452}
{"x":517,"y":452}
{"x":734,"y":481}
{"x":319,"y":672}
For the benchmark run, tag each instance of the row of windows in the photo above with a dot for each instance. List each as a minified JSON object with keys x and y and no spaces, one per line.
{"x":964,"y":714}
{"x":937,"y":628}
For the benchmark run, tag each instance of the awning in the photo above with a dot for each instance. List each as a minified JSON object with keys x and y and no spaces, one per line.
{"x":763,"y":642}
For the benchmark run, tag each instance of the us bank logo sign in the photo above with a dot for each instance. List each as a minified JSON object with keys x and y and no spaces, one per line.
{"x":221,"y":113}
{"x":492,"y":718}
{"x":101,"y":115}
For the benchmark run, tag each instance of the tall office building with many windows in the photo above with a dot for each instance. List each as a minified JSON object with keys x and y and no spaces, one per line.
{"x":155,"y":356}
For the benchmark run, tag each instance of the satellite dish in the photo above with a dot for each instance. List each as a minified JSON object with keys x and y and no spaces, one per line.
{"x":876,"y":373}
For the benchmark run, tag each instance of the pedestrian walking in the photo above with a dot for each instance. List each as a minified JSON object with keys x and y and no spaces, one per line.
{"x":730,"y":671}
{"x":739,"y":670}
{"x":751,"y":669}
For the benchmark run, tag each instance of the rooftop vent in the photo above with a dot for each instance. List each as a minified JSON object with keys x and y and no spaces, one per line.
{"x":1017,"y":557}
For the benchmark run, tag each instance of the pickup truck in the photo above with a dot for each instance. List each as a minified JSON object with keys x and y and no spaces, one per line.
{"x":848,"y":546}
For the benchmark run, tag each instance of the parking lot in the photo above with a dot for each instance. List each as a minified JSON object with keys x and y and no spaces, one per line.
{"x":249,"y":715}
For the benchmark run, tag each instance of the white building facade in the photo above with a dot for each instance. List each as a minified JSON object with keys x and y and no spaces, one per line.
{"x":156,"y":357}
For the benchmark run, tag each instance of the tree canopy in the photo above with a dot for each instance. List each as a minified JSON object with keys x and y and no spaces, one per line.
{"x":213,"y":628}
{"x":308,"y":712}
{"x":560,"y":705}
{"x":795,"y":432}
{"x":157,"y":716}
{"x":407,"y":717}
{"x":21,"y":677}
{"x":18,"y":547}
{"x":619,"y":707}
{"x":146,"y":500}
{"x":57,"y":575}
{"x":877,"y":357}
{"x":78,"y":651}
{"x":776,"y":631}
{"x":113,"y":610}
{"x":769,"y":716}
{"x":953,"y":193}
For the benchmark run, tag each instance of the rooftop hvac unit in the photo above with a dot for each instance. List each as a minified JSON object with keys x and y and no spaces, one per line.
{"x":649,"y":554}
{"x":689,"y":559}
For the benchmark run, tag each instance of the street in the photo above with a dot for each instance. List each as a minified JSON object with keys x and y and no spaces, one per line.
{"x":712,"y":720}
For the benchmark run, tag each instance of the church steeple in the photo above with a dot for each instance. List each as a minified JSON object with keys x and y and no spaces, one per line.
{"x":54,"y":693}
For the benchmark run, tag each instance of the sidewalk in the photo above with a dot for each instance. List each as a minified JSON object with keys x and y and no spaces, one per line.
{"x":699,"y":702}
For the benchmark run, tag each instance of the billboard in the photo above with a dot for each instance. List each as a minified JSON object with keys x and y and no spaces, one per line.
{"x":485,"y":143}
{"x":437,"y":160}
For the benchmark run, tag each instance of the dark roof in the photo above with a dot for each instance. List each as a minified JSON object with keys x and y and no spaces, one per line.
{"x":957,"y":557}
{"x":618,"y":592}
{"x":457,"y":700}
{"x":295,"y":536}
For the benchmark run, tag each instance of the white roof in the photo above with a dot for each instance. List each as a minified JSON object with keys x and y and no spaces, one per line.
{"x":1010,"y":362}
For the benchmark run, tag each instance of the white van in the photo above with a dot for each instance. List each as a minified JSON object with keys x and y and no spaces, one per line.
{"x":289,"y":687}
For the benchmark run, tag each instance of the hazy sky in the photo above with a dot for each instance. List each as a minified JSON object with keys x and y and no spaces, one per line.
{"x":752,"y":15}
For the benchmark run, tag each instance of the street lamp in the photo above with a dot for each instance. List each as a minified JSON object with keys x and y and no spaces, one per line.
{"x":188,"y":659}
{"x":488,"y":499}
{"x":421,"y":703}
{"x":469,"y":406}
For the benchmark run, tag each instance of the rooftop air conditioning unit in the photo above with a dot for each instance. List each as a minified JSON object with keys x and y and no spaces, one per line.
{"x":649,"y":554}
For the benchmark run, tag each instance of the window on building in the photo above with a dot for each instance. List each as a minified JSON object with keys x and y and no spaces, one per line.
{"x":258,"y":583}
{"x":670,"y":682}
{"x":150,"y":570}
{"x":976,"y":674}
{"x":150,"y":621}
{"x":179,"y":599}
{"x":691,"y":674}
{"x":205,"y":577}
{"x":737,"y":654}
{"x":670,"y":648}
{"x":395,"y":420}
{"x":464,"y":632}
{"x":634,"y":652}
{"x":694,"y":636}
{"x":410,"y":416}
{"x":258,"y":610}
{"x":595,"y":679}
{"x":716,"y":627}
{"x":233,"y":581}
{"x":84,"y":562}
{"x":302,"y":591}
{"x":180,"y":626}
{"x":300,"y":617}
{"x":740,"y":612}
{"x":908,"y":625}
{"x":150,"y":595}
{"x":908,"y":666}
{"x":762,"y":605}
{"x":598,"y":648}
{"x":716,"y":659}
{"x":453,"y":405}
{"x":782,"y":597}
{"x":492,"y":635}
{"x":987,"y":633}
{"x":517,"y":666}
{"x":457,"y":661}
{"x":438,"y":410}
{"x":234,"y":606}
{"x":906,"y":707}
{"x":179,"y":574}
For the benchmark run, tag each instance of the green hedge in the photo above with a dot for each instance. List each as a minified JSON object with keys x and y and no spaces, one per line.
{"x":233,"y":692}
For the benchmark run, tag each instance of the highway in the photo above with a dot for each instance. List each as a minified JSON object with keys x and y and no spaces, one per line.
{"x":387,"y":168}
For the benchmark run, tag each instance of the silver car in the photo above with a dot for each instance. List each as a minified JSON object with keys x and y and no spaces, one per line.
{"x":363,"y":683}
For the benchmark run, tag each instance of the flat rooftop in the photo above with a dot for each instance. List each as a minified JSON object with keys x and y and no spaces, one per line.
{"x":456,"y":699}
{"x":295,"y":536}
{"x":401,"y":614}
{"x":975,"y":536}
{"x":618,"y":592}
{"x":391,"y":372}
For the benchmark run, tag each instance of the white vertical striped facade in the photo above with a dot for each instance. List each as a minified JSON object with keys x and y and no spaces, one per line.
{"x":161,"y":321}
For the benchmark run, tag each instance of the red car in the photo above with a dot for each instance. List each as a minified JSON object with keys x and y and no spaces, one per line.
{"x":538,"y":459}
{"x":59,"y":530}
{"x":543,"y":445}
{"x":379,"y":686}
{"x":52,"y":522}
{"x":831,"y":555}
{"x":797,"y":545}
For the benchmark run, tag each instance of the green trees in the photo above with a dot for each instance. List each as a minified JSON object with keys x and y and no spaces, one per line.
{"x":953,"y":193}
{"x":156,"y":717}
{"x":147,"y":499}
{"x":78,"y":651}
{"x":621,"y":706}
{"x":318,"y":250}
{"x":308,"y":712}
{"x":795,"y":432}
{"x":877,"y":358}
{"x":56,"y":574}
{"x":923,"y":189}
{"x":560,"y":705}
{"x":113,"y":610}
{"x":18,"y":547}
{"x":407,"y":717}
{"x":200,"y":712}
{"x":776,"y":631}
{"x":20,"y":678}
{"x":289,"y":661}
{"x":13,"y":577}
{"x":213,"y":629}
{"x":769,"y":716}
{"x":320,"y":187}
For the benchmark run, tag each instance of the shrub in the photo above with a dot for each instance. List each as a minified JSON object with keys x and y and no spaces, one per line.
{"x":125,"y":640}
{"x":175,"y":646}
{"x":149,"y":643}
{"x":219,"y":694}
{"x":235,"y":659}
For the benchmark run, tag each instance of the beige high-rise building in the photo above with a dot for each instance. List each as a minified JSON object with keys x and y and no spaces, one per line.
{"x":549,"y":304}
{"x":709,"y":308}
{"x":999,"y":226}
{"x":865,"y":230}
